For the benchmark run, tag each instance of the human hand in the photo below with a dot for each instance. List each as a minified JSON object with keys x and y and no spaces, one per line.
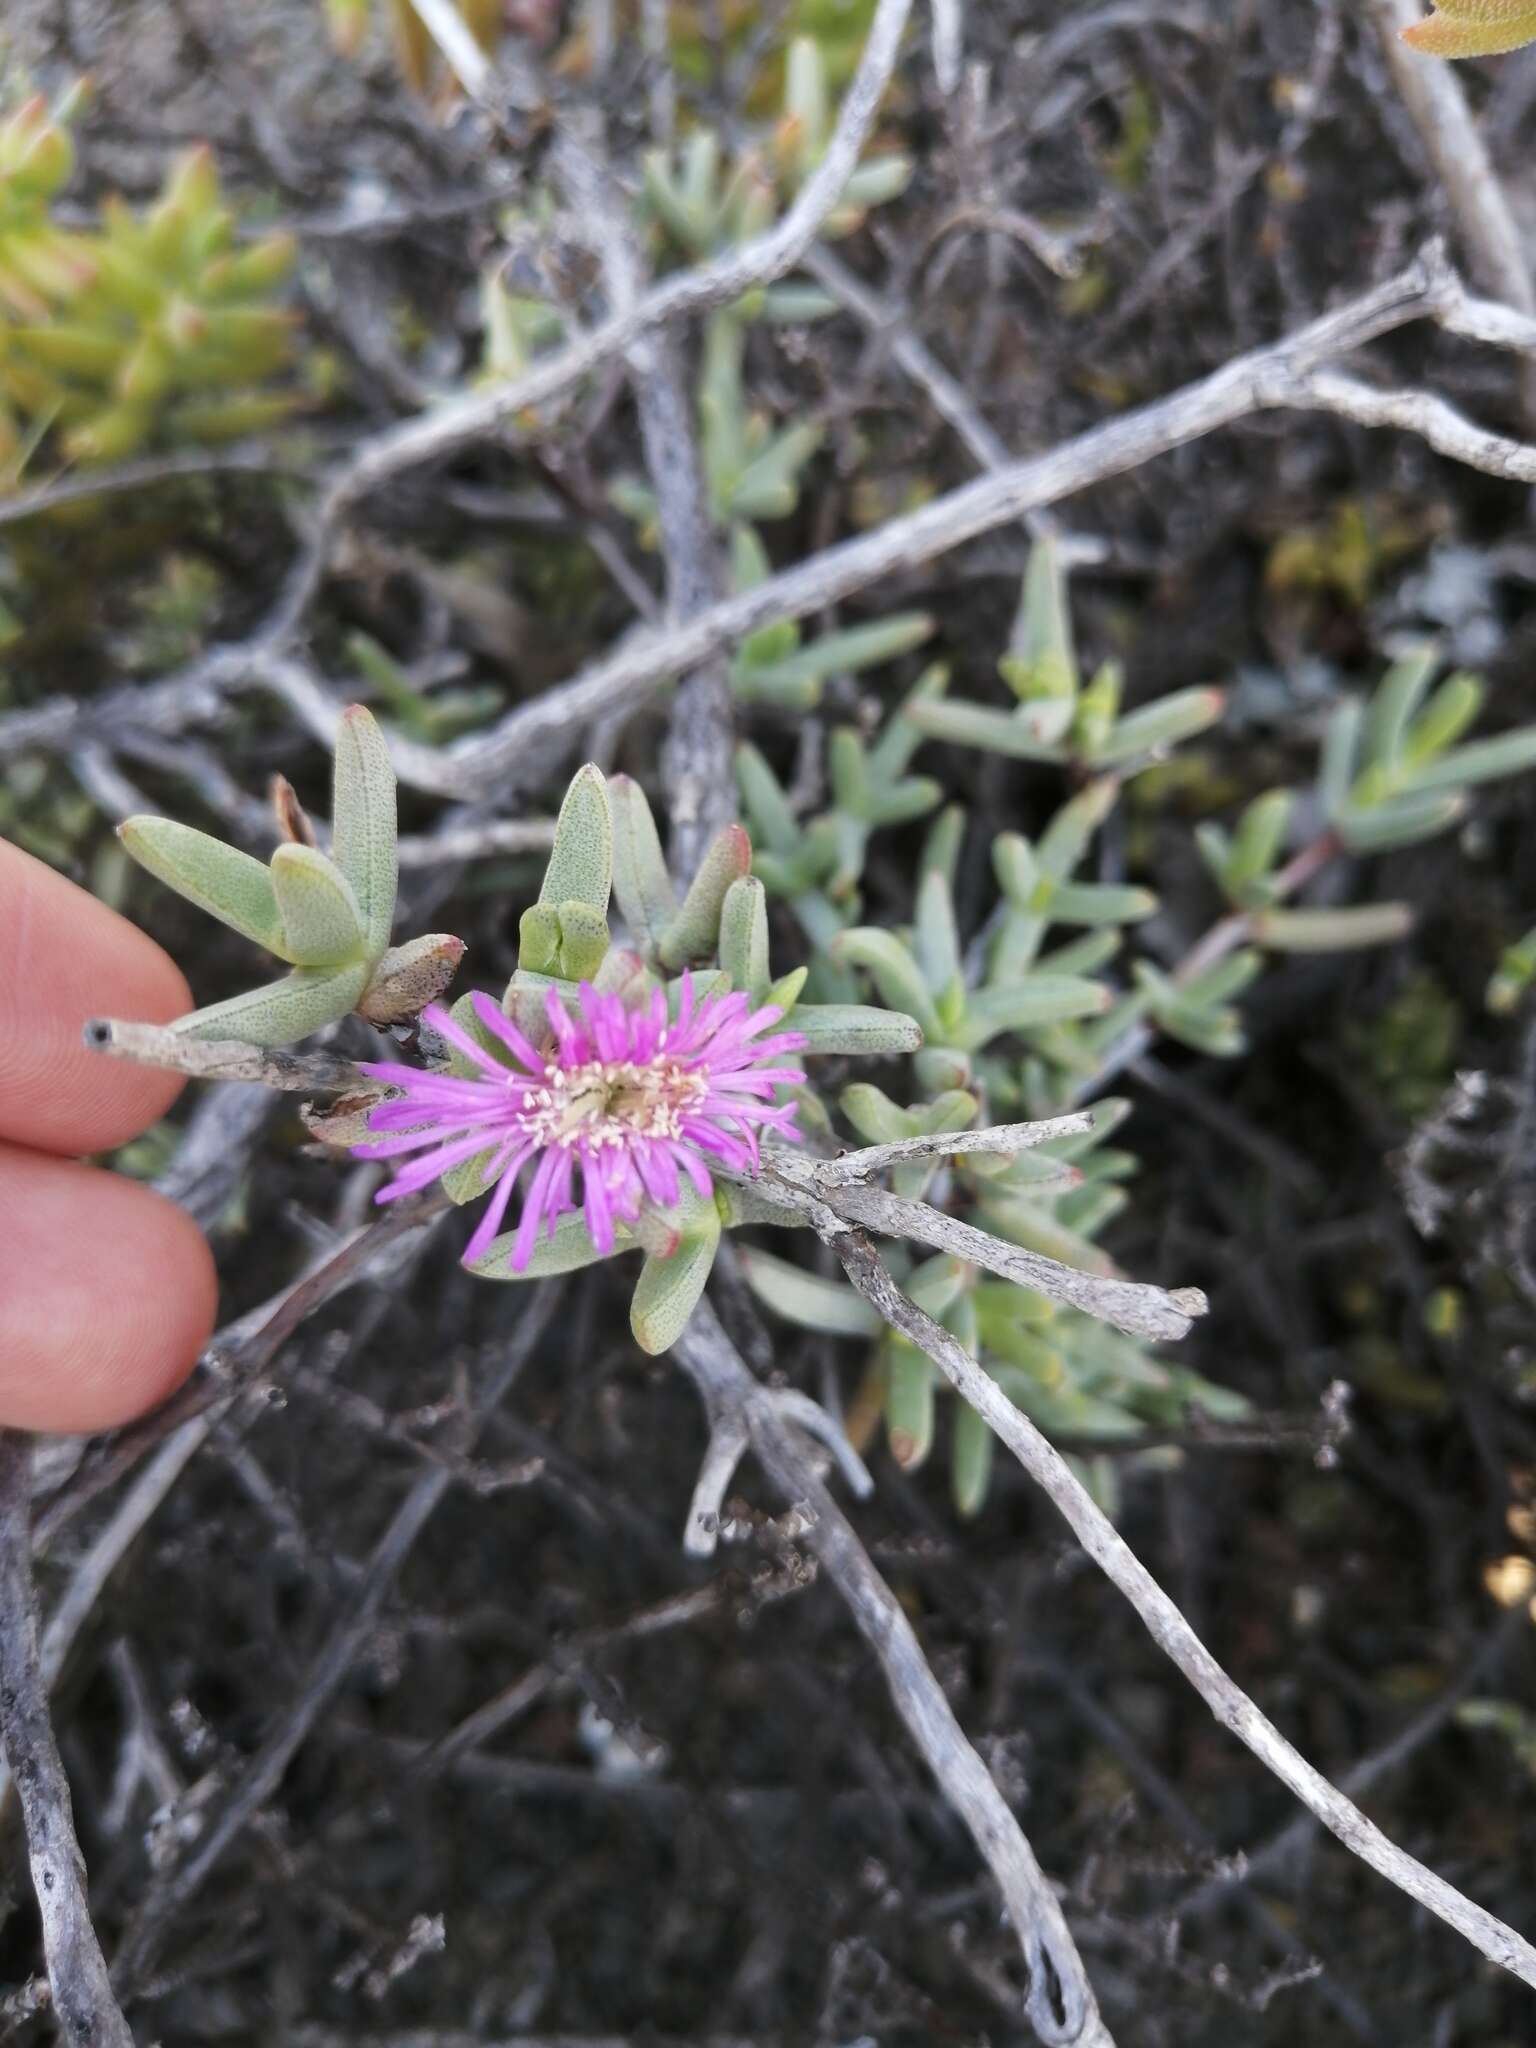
{"x":107,"y":1290}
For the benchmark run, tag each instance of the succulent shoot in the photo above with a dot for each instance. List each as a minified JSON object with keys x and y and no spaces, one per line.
{"x":327,"y":915}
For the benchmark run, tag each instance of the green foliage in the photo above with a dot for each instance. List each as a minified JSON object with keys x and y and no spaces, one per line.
{"x":1392,"y":769}
{"x":152,"y":328}
{"x":1514,"y":975}
{"x":606,"y":842}
{"x":702,"y":202}
{"x":1059,"y":716}
{"x":327,"y":915}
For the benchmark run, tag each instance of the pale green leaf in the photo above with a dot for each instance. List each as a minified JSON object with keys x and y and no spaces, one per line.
{"x":580,"y":866}
{"x":322,"y":920}
{"x":284,"y":1011}
{"x":228,"y":884}
{"x":363,"y":841}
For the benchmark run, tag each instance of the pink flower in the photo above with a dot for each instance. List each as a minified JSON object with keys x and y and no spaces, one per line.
{"x":626,"y":1095}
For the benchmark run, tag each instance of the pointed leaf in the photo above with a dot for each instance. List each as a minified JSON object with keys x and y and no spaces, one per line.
{"x":580,"y":866}
{"x":1396,"y":698}
{"x":978,"y":725}
{"x":695,"y":930}
{"x":363,"y":841}
{"x":1161,"y":725}
{"x":1041,"y":660}
{"x":1402,"y":822}
{"x":894,"y":971}
{"x":744,"y":936}
{"x":909,"y":1416}
{"x":647,"y":899}
{"x":830,"y":1307}
{"x":1020,"y":1005}
{"x":936,"y":934}
{"x":228,"y":884}
{"x":668,"y":1290}
{"x":970,"y":1460}
{"x":855,"y":1028}
{"x":283,"y":1012}
{"x":877,"y":1119}
{"x":1062,"y":845}
{"x":321,"y":918}
{"x":1512,"y":753}
{"x":1094,"y":903}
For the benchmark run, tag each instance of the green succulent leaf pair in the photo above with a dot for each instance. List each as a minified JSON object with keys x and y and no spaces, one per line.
{"x":327,"y":915}
{"x":1059,"y":716}
{"x":705,"y":205}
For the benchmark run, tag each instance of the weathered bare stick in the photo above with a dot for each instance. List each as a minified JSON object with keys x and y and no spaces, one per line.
{"x":1437,"y":105}
{"x":223,"y":1059}
{"x":525,"y":742}
{"x":1007,"y":1139}
{"x":462,"y":421}
{"x":83,"y":2002}
{"x":477,"y":842}
{"x":519,"y":750}
{"x":1061,"y":2004}
{"x":700,"y":778}
{"x":1446,"y":430}
{"x":833,"y":1210}
{"x":1166,"y":1624}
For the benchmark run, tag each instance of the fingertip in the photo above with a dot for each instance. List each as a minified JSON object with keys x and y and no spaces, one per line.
{"x":69,"y":958}
{"x":108,"y":1294}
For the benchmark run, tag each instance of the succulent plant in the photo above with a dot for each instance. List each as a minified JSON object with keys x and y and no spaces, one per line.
{"x":150,"y":328}
{"x":703,"y":202}
{"x":705,"y":942}
{"x":327,"y":915}
{"x":1474,"y":28}
{"x":1060,"y":716}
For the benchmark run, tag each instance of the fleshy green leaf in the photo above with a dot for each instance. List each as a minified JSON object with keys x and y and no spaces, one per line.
{"x":744,"y":936}
{"x":829,"y":1307}
{"x":894,"y":971}
{"x":1020,"y":1005}
{"x":695,"y":930}
{"x":228,"y":884}
{"x":970,"y":1460}
{"x":668,"y":1289}
{"x":363,"y":841}
{"x":1332,"y":931}
{"x":909,"y":1405}
{"x":855,"y":1028}
{"x":580,"y":866}
{"x":322,"y":920}
{"x":641,"y":882}
{"x":282,"y":1012}
{"x":1160,"y":725}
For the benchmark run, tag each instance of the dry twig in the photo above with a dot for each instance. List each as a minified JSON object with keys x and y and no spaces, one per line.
{"x":1167,"y":1625}
{"x":86,"y":2010}
{"x":1061,"y":2004}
